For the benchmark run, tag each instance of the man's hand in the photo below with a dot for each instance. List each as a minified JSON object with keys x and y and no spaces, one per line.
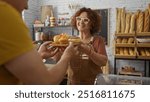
{"x":47,"y":51}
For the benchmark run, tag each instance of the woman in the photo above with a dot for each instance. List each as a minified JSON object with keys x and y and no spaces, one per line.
{"x":85,"y":66}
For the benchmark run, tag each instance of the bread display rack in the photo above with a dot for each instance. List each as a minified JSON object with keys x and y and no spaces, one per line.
{"x":132,"y":36}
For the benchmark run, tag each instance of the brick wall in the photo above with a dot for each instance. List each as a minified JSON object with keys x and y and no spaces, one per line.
{"x":61,"y":6}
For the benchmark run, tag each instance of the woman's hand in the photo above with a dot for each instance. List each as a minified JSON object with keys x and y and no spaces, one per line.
{"x":46,"y":52}
{"x":85,"y":48}
{"x":70,"y":51}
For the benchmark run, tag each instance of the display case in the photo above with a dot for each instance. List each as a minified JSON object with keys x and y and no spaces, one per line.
{"x":111,"y":79}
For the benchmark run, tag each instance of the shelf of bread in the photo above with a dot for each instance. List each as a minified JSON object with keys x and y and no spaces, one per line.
{"x":125,"y":52}
{"x":125,"y":42}
{"x":130,"y":71}
{"x":143,"y":53}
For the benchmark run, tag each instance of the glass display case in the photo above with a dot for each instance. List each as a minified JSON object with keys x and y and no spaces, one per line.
{"x":110,"y":79}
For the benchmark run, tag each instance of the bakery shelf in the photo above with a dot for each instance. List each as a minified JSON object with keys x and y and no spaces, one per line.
{"x":125,"y":34}
{"x":135,"y":73}
{"x":143,"y":34}
{"x":143,"y":44}
{"x":125,"y":56}
{"x":125,"y":44}
{"x":143,"y":57}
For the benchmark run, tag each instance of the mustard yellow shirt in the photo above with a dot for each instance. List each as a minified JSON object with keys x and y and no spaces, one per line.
{"x":15,"y":40}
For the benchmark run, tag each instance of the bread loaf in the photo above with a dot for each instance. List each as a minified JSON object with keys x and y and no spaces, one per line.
{"x":131,"y":51}
{"x":121,"y":51}
{"x":147,"y":52}
{"x":126,"y":51}
{"x":130,"y":40}
{"x":123,"y":18}
{"x":132,"y":23}
{"x":124,"y":40}
{"x":140,"y":22}
{"x":117,"y":51}
{"x":146,"y":21}
{"x":137,"y":18}
{"x":118,"y":40}
{"x":142,"y":52}
{"x":128,"y":17}
{"x":118,"y":20}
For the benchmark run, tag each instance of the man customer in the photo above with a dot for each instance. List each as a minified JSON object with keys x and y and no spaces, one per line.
{"x":19,"y":61}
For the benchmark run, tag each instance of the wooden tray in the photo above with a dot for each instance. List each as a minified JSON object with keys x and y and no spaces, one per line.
{"x":59,"y":45}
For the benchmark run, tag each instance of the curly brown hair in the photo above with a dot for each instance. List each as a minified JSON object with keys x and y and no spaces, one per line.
{"x":94,"y":17}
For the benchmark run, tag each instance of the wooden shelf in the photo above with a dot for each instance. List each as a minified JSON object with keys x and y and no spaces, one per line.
{"x":125,"y":56}
{"x":125,"y":45}
{"x":143,"y":57}
{"x":143,"y":34}
{"x":125,"y":34}
{"x":136,"y":73}
{"x":143,"y":44}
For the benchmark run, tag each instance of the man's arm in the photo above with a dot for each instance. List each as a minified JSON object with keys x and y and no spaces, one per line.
{"x":30,"y":69}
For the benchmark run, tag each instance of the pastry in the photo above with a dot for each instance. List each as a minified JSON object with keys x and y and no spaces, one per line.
{"x":61,"y":38}
{"x":75,"y":40}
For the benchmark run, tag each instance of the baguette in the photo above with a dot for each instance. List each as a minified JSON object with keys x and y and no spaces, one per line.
{"x":140,"y":22}
{"x":124,"y":40}
{"x":137,"y":19}
{"x":128,"y":17}
{"x":147,"y":52}
{"x":131,"y":51}
{"x":118,"y":40}
{"x":118,"y":20}
{"x":121,"y":51}
{"x":146,"y":21}
{"x":130,"y":40}
{"x":142,"y":52}
{"x":126,"y":51}
{"x":132,"y":23}
{"x":117,"y":51}
{"x":123,"y":18}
